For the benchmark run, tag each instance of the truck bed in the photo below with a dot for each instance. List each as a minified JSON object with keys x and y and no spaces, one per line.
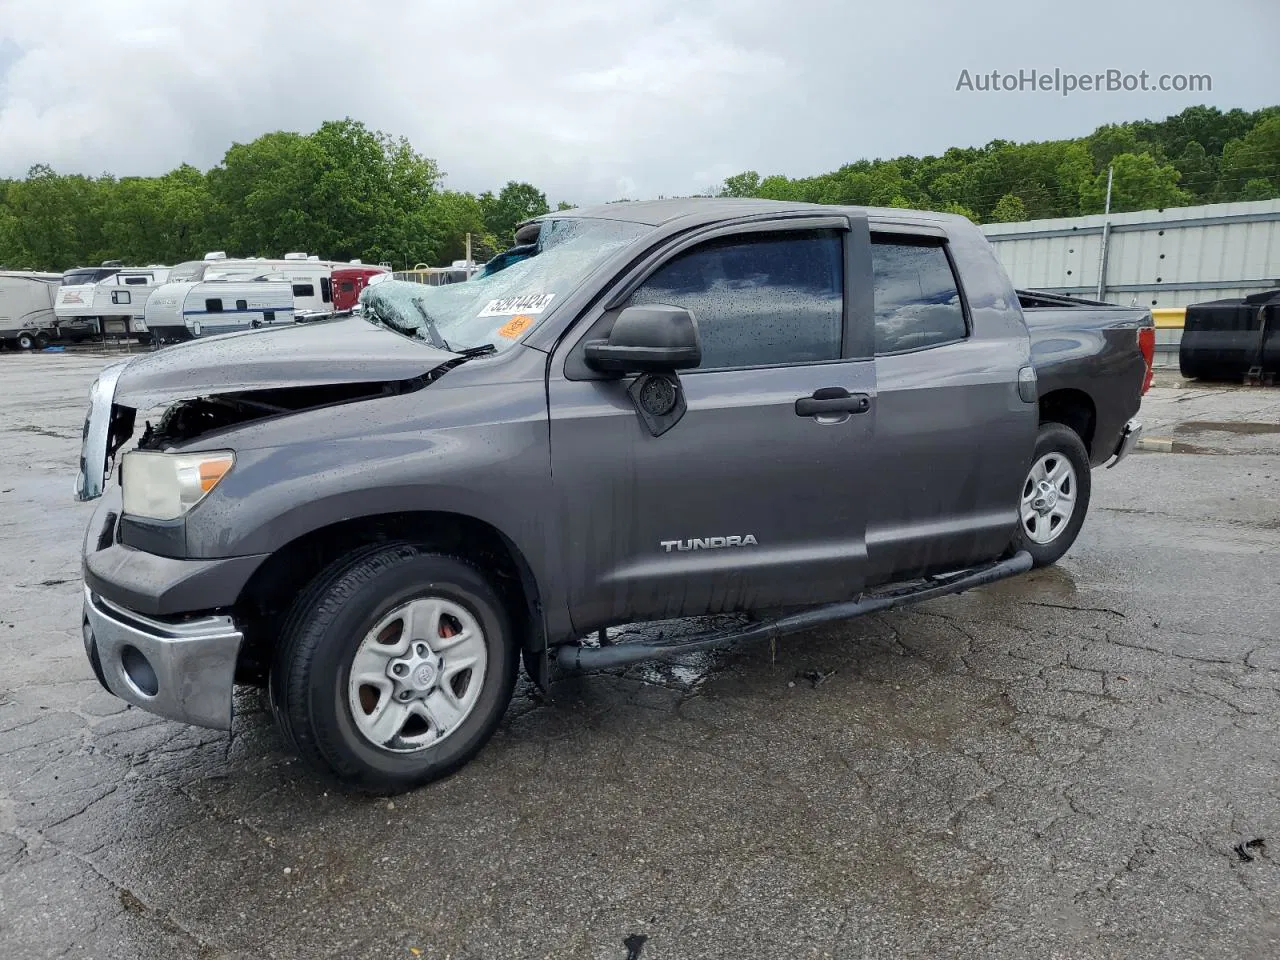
{"x":1087,"y":347}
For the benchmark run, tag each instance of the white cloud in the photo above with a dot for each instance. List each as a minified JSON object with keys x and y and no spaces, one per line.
{"x":588,"y":101}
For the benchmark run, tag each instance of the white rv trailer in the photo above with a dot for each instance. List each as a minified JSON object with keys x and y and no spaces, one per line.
{"x":111,"y":305}
{"x":312,"y":280}
{"x":311,"y":277}
{"x":81,"y":328}
{"x":219,"y":303}
{"x":310,"y":283}
{"x":26,"y":307}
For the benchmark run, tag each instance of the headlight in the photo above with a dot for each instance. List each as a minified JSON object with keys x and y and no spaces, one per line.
{"x":164,"y":486}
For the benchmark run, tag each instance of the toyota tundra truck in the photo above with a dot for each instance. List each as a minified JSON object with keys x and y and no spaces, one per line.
{"x":667,"y":409}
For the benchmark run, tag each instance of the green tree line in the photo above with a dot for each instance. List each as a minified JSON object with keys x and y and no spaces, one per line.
{"x":345,"y":191}
{"x":1201,"y":155}
{"x":342,"y":192}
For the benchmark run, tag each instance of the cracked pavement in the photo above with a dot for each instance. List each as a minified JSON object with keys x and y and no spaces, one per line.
{"x":1077,"y":763}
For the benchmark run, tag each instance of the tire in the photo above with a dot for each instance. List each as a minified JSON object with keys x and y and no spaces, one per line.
{"x":323,"y":714}
{"x":1042,"y":531}
{"x":25,"y":341}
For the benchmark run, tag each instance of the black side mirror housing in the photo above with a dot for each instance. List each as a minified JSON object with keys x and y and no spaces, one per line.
{"x":648,"y":339}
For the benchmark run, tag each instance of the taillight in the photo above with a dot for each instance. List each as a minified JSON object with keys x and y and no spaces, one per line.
{"x":1147,"y":344}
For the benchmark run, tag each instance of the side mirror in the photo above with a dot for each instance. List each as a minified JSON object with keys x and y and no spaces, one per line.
{"x":651,"y":339}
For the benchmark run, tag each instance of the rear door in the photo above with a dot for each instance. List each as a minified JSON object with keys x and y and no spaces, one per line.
{"x":952,"y":433}
{"x":754,"y":498}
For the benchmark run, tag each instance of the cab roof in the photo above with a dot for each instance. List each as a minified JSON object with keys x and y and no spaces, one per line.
{"x":712,"y":209}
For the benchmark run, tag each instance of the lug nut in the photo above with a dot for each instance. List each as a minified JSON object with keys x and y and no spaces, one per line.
{"x":399,"y":669}
{"x":405,"y":695}
{"x":422,"y":649}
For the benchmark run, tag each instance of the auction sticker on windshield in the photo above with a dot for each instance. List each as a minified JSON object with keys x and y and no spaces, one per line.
{"x":528,"y":303}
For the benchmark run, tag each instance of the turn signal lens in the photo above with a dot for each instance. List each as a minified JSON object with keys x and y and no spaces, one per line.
{"x":211,"y":471}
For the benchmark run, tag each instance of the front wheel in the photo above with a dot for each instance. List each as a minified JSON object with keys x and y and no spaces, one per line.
{"x":26,"y":341}
{"x":1055,"y":495}
{"x":395,"y":668}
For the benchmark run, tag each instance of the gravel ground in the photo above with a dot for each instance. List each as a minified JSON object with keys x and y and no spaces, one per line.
{"x":1082,"y":762}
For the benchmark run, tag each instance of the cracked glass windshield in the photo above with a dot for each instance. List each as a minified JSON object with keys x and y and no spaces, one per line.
{"x":500,"y":307}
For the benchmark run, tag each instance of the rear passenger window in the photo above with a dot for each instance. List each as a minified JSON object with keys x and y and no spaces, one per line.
{"x":213,"y":305}
{"x":761,"y":300}
{"x":916,"y":296}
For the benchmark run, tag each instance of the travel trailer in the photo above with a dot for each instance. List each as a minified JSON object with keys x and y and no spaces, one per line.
{"x":219,"y":302}
{"x":310,"y":282}
{"x":110,"y":305}
{"x":83,"y":327}
{"x":26,"y":307}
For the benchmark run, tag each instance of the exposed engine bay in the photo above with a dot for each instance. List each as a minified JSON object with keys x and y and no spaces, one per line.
{"x":187,"y":420}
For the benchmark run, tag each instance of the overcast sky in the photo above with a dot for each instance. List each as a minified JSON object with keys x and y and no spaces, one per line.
{"x":592,"y":101}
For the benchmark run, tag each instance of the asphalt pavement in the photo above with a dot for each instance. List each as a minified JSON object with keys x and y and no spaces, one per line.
{"x":1082,"y":762}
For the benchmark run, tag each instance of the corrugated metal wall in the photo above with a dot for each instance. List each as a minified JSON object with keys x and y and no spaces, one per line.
{"x":1155,"y":258}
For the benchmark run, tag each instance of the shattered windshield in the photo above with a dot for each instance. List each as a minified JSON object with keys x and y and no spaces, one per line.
{"x":500,"y":308}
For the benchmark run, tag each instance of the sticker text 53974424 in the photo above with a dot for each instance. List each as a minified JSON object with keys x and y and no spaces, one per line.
{"x":527,"y":303}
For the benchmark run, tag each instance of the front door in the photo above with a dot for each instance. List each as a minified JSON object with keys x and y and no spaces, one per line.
{"x":756,"y":498}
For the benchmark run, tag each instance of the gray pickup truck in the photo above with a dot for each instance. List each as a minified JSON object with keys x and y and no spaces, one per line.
{"x":668,"y":409}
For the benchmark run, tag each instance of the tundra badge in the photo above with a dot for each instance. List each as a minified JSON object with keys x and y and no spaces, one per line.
{"x":708,"y":543}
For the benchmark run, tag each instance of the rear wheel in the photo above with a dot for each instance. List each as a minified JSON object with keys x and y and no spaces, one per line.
{"x":394,"y":668}
{"x":26,"y":341}
{"x":1055,"y":495}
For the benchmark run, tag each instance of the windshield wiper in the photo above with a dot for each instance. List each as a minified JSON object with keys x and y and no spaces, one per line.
{"x":433,"y":335}
{"x":481,"y":351}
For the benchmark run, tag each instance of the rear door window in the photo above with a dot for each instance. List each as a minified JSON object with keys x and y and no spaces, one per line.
{"x":917,"y":298}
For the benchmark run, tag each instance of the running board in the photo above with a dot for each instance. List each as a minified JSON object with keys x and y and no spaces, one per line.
{"x":576,"y":657}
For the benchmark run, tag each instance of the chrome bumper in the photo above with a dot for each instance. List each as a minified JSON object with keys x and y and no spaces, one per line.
{"x":183,"y":671}
{"x":1129,"y":438}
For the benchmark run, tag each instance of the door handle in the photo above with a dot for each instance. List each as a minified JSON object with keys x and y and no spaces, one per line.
{"x":830,"y":400}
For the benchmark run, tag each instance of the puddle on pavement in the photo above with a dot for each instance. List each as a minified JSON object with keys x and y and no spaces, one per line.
{"x":688,"y":672}
{"x":1052,"y":583}
{"x":44,"y":432}
{"x":1237,"y":427}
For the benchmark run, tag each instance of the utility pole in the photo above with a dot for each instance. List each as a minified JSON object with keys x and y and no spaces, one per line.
{"x":1106,"y":235}
{"x":468,"y":253}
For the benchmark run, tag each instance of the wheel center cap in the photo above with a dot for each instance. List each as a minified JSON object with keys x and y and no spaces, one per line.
{"x":424,"y":675}
{"x":1048,"y":498}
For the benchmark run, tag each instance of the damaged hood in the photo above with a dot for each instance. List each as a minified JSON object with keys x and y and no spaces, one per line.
{"x":348,"y":351}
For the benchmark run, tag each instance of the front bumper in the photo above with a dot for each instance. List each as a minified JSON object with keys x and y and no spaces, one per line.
{"x":1129,"y":438}
{"x":180,"y":669}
